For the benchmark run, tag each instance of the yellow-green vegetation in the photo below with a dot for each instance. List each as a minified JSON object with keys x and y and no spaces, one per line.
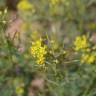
{"x":49,"y":49}
{"x":25,"y":5}
{"x":38,"y":51}
{"x":81,"y":43}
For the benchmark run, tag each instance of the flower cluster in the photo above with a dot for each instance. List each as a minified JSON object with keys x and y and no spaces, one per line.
{"x":83,"y":47}
{"x":81,"y":43}
{"x":25,"y":5}
{"x":88,"y":58}
{"x":38,"y":51}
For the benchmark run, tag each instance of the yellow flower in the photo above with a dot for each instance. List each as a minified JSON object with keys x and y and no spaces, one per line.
{"x":19,"y":86}
{"x":87,"y":58}
{"x":19,"y":90}
{"x":81,"y":43}
{"x":25,"y":5}
{"x":38,"y":51}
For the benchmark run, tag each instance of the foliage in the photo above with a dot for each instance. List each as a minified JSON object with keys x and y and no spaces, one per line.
{"x":45,"y":48}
